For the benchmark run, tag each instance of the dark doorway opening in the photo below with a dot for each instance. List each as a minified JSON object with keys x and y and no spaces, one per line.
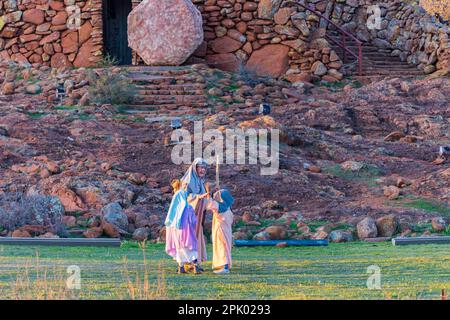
{"x":115,"y":36}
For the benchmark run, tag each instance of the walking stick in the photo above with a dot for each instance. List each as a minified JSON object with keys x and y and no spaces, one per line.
{"x":218,"y":175}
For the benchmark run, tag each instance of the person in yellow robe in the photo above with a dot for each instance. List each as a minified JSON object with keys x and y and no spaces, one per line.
{"x":222,"y":237}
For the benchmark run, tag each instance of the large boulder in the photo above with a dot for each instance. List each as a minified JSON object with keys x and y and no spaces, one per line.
{"x":224,"y":61}
{"x":438,"y":224}
{"x":276,"y":232}
{"x":367,"y":228}
{"x":225,"y":45}
{"x":272,"y":60}
{"x":340,"y":236}
{"x":141,"y":234}
{"x":114,"y":215}
{"x":165,"y":32}
{"x":41,"y":212}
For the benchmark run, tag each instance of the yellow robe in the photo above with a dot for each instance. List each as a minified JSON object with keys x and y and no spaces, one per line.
{"x":222,"y":238}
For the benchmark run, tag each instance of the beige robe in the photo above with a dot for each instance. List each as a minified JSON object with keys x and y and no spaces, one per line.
{"x":222,"y":238}
{"x":199,"y":206}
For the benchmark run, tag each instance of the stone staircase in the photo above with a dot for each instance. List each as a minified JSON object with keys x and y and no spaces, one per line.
{"x":377,"y":62}
{"x":166,"y":88}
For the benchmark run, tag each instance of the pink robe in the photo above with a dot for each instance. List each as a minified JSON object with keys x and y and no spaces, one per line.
{"x":181,"y":244}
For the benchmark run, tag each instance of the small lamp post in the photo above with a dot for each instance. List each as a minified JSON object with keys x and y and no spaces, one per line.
{"x":60,"y":92}
{"x":265,"y":109}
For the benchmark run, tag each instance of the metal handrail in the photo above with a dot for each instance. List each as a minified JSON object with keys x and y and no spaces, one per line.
{"x":341,"y":30}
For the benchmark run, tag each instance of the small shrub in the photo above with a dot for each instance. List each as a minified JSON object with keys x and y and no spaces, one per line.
{"x":107,"y":61}
{"x":109,"y":87}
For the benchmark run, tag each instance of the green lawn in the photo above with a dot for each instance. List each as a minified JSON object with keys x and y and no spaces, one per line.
{"x":335,"y":272}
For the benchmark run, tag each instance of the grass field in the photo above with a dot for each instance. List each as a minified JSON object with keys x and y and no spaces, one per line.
{"x":130,"y":272}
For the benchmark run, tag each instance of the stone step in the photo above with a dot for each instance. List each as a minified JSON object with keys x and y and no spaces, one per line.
{"x":158,"y":74}
{"x":387,"y":72}
{"x":385,"y":64}
{"x":156,"y":69}
{"x":387,"y":60}
{"x":159,"y":81}
{"x":151,"y":101}
{"x":388,"y":63}
{"x":168,"y":88}
{"x":364,"y":50}
{"x":172,"y":97}
{"x":159,"y":107}
{"x":176,"y":87}
{"x":150,"y":77}
{"x":162,"y":92}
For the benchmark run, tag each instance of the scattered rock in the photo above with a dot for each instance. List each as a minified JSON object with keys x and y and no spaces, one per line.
{"x":33,"y":89}
{"x":276,"y":232}
{"x":113,"y":213}
{"x":282,"y":244}
{"x":367,"y":228}
{"x":95,"y":232}
{"x":388,"y":226}
{"x":21,"y":234}
{"x":69,"y":221}
{"x":320,"y":235}
{"x":141,"y":234}
{"x":340,"y":236}
{"x":394,"y":136}
{"x":263,"y":235}
{"x":239,"y":235}
{"x":353,"y":166}
{"x":391,"y":192}
{"x":438,"y":224}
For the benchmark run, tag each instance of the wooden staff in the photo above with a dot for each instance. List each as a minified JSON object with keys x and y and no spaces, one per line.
{"x":218,"y":175}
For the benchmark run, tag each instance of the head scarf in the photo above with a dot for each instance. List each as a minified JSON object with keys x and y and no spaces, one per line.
{"x":177,"y":206}
{"x":195,"y":184}
{"x":224,"y":199}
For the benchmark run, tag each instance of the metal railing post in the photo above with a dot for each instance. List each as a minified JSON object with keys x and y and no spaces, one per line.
{"x":345,"y":47}
{"x":360,"y":59}
{"x":343,"y":33}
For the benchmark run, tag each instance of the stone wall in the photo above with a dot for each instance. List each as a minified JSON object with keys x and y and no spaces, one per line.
{"x":272,"y":37}
{"x":413,"y":35}
{"x":50,"y":32}
{"x":268,"y":36}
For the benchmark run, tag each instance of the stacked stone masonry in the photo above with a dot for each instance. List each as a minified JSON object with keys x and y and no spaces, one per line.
{"x":272,"y":37}
{"x":54,"y":33}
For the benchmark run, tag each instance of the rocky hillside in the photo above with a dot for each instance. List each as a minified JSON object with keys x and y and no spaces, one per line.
{"x":356,"y":160}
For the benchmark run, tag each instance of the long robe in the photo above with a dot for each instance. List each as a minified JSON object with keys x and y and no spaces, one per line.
{"x":199,"y":206}
{"x":222,"y":238}
{"x":181,"y":222}
{"x":181,"y":243}
{"x":196,"y":187}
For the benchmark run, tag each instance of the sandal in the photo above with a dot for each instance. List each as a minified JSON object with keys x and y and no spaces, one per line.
{"x":197,"y":269}
{"x":181,"y":270}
